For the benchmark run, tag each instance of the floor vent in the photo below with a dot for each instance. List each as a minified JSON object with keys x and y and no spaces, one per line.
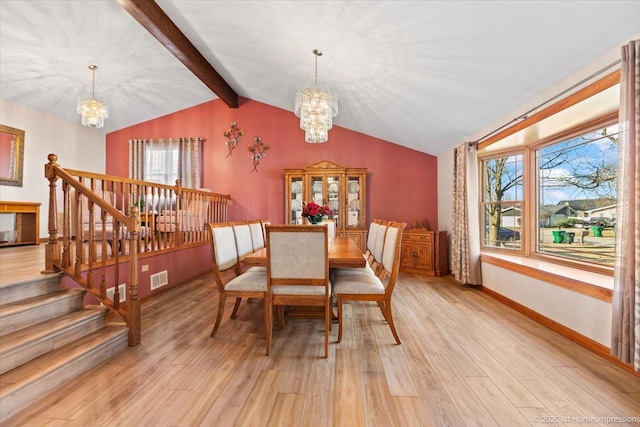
{"x":158,"y":280}
{"x":122,"y":290}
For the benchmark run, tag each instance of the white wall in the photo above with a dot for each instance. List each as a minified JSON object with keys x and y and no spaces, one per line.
{"x":76,"y":146}
{"x":588,"y":316}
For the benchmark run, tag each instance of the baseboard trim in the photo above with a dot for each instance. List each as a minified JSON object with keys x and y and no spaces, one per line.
{"x":569,"y":333}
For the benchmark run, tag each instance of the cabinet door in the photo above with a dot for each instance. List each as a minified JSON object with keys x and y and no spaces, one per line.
{"x":407,"y":258}
{"x":325,"y":191}
{"x":424,"y":250}
{"x":355,"y":202}
{"x":294,"y":191}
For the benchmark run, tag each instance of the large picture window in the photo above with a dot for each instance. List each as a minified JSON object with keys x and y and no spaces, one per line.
{"x":577,"y":196}
{"x":502,"y":201}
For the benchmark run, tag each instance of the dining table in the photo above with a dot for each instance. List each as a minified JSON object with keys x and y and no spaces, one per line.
{"x":343,"y":253}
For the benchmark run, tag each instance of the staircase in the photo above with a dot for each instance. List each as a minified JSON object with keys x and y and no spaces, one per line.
{"x":48,"y":337}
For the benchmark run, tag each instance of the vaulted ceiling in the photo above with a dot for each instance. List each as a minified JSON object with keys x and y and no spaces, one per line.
{"x":422,"y":74}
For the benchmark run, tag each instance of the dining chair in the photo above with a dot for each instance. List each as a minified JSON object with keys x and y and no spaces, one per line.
{"x":298,"y":272}
{"x":244,"y":243}
{"x":251,"y":284}
{"x":369,"y":287}
{"x":375,"y":260}
{"x":257,"y":234}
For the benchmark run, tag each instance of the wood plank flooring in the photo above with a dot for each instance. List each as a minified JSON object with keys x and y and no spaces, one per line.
{"x":465,"y":359}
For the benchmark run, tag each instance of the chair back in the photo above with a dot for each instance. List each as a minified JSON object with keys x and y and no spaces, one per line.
{"x":391,"y":255}
{"x":257,"y":234}
{"x":371,"y":238}
{"x":242,"y":233}
{"x":223,"y":250}
{"x":297,"y":255}
{"x":378,"y":247}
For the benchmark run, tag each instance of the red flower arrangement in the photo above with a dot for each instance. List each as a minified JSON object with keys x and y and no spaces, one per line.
{"x":315,"y":213}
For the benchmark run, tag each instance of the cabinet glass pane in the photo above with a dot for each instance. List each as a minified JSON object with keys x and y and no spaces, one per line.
{"x":295,"y":216}
{"x":316,"y":190}
{"x":333,"y":196}
{"x":353,"y":201}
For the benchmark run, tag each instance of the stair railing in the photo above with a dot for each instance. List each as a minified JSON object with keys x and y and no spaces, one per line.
{"x":99,"y":239}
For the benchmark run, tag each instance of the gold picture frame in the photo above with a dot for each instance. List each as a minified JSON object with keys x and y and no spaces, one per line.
{"x":11,"y":156}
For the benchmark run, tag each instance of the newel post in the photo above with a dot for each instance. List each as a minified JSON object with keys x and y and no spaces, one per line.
{"x":133,"y":301}
{"x":52,"y":250}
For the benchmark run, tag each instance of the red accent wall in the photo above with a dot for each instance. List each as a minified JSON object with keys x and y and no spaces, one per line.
{"x":401,"y":183}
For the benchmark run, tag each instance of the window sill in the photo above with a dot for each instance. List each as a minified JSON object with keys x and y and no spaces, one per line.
{"x":596,"y":285}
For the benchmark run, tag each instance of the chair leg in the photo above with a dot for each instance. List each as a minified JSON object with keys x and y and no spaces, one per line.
{"x":339,"y":318}
{"x":235,"y":307}
{"x":220,"y":313}
{"x":383,"y":309}
{"x":281,"y":316}
{"x":389,"y":317}
{"x":328,"y":308}
{"x":268,"y":321}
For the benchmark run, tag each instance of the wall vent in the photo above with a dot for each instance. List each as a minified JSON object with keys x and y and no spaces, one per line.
{"x":159,"y":280}
{"x":122,"y":290}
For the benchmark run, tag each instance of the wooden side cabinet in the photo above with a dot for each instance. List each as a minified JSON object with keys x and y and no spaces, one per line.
{"x":27,"y":222}
{"x":424,"y":252}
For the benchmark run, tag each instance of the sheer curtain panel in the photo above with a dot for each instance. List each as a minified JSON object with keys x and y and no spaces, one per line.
{"x":625,"y":324}
{"x":465,"y":235}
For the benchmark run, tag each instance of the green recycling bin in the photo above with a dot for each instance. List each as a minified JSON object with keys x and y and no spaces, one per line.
{"x":597,"y":231}
{"x":569,"y":236}
{"x":558,"y":236}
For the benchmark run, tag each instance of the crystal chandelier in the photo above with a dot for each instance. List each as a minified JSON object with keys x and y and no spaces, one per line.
{"x":93,"y":111}
{"x":316,"y":108}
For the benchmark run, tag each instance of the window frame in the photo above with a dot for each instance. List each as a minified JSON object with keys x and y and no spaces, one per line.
{"x":529,"y":231}
{"x":522,"y":201}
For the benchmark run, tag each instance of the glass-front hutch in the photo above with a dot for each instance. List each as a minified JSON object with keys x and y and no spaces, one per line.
{"x":328,"y":184}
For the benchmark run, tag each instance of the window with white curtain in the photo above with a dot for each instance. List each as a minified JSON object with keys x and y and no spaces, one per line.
{"x":161,"y":164}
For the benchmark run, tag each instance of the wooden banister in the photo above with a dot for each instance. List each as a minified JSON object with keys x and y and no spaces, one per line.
{"x":108,"y":221}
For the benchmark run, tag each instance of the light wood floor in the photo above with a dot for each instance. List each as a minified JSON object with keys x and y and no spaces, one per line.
{"x":465,"y":359}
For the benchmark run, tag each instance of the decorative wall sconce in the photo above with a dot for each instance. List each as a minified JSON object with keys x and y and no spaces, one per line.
{"x":234,"y":135}
{"x":258,"y":152}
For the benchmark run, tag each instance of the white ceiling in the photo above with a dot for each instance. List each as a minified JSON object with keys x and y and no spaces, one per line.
{"x":423,"y":74}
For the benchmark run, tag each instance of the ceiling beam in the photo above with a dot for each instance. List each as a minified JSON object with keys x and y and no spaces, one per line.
{"x":153,"y":18}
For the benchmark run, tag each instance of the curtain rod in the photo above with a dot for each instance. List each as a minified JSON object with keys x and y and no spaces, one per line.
{"x":526,"y":114}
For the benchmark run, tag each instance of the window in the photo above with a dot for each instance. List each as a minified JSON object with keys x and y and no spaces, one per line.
{"x":502,"y":201}
{"x":572,"y":212}
{"x":577,"y":196}
{"x":161,"y":164}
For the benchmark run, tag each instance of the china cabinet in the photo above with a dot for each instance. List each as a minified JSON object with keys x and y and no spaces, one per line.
{"x":424,"y":252}
{"x":328,"y":184}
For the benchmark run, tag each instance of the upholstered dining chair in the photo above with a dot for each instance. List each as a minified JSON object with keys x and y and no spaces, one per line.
{"x":375,"y":242}
{"x":257,"y":234}
{"x":298,"y":272}
{"x":244,"y":243}
{"x":369,"y":287}
{"x":252,"y":284}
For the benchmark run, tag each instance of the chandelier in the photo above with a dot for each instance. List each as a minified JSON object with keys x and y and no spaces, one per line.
{"x":316,"y":108}
{"x":93,"y":111}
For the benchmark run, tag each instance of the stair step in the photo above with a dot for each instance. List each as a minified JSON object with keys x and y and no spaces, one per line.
{"x":22,"y":314}
{"x":26,"y":384}
{"x":26,"y":344}
{"x":46,"y":283}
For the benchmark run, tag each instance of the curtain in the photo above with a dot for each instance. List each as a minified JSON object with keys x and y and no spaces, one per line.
{"x":164,"y":168}
{"x":625,"y":325}
{"x":190,"y":162}
{"x":136,"y":158}
{"x":465,"y":236}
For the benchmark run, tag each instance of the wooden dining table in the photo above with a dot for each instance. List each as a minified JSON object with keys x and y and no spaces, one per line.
{"x":343,"y":253}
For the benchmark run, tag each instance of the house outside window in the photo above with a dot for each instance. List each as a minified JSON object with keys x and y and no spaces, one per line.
{"x":577,"y":196}
{"x":502,"y":196}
